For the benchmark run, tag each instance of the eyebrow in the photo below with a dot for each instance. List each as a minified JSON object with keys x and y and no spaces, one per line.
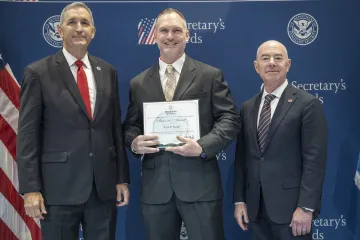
{"x":277,"y":54}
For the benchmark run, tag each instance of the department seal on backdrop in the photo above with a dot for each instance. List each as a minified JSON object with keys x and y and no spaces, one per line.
{"x":303,"y":29}
{"x":50,"y":32}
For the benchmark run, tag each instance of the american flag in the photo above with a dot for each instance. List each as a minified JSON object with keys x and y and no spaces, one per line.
{"x":14,"y":224}
{"x":146,"y":29}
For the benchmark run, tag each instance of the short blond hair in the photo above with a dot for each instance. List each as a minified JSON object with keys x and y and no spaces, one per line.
{"x":168,"y":11}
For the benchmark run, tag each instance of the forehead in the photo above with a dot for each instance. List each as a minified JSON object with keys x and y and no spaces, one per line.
{"x":78,"y":12}
{"x":170,"y":20}
{"x":271,"y":49}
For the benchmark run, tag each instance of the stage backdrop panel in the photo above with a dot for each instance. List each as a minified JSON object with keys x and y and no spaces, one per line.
{"x":322,"y":39}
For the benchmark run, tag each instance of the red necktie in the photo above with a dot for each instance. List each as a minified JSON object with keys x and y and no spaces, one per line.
{"x":83,"y":86}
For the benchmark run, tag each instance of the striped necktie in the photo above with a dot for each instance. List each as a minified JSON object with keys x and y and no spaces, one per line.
{"x":170,"y":85}
{"x":264,"y":122}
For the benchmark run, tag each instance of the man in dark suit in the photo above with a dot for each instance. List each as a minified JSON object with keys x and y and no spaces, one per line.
{"x":181,"y":183}
{"x":70,"y":151}
{"x":281,"y":154}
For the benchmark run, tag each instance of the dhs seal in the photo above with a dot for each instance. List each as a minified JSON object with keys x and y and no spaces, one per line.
{"x":302,"y":29}
{"x":50,"y":32}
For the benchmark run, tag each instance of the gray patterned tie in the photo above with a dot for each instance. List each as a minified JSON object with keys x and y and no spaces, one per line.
{"x":170,"y":85}
{"x":264,"y":122}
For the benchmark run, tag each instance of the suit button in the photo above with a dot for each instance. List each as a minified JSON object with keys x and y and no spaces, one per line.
{"x":262,"y":159}
{"x":91,"y":154}
{"x":259,"y":182}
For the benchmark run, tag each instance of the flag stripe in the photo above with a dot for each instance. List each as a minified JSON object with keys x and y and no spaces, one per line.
{"x":151,"y":34}
{"x":8,"y":111}
{"x":13,"y":221}
{"x":5,"y":232}
{"x":8,"y":137}
{"x":10,"y":87}
{"x":10,"y":193}
{"x":9,"y":166}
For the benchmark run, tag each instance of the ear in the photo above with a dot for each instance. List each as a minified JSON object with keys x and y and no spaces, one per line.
{"x":60,"y":31}
{"x":288,"y":64}
{"x":155,"y":35}
{"x":187,"y":36}
{"x":256,"y":66}
{"x":93,"y":33}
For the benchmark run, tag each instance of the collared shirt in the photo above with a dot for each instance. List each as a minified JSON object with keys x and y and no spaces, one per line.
{"x":88,"y":71}
{"x":177,"y":65}
{"x":277,"y":93}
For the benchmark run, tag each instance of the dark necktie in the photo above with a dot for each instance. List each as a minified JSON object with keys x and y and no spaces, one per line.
{"x":264,"y":122}
{"x":83,"y":86}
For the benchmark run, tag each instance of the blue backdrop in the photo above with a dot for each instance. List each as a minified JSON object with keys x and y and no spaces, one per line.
{"x":226,"y":34}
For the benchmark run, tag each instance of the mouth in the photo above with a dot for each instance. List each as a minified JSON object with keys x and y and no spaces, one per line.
{"x":171,"y":44}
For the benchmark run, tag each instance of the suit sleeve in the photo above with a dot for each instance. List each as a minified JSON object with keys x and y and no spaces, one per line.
{"x":29,"y":137}
{"x":133,"y":123}
{"x":226,"y":118}
{"x":123,"y":174}
{"x":314,"y":155}
{"x":240,"y":167}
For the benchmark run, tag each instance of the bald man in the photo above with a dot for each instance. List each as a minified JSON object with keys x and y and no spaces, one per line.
{"x":280,"y":154}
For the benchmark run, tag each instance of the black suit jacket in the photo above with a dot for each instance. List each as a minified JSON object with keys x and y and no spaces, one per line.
{"x":60,"y":151}
{"x":291,"y":170}
{"x":191,"y":178}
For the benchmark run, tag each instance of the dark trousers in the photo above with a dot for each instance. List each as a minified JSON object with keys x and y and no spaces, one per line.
{"x":203,"y":220}
{"x":264,"y":229}
{"x":98,"y":219}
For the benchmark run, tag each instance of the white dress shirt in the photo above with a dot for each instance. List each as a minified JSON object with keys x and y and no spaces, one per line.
{"x":273,"y":104}
{"x":177,"y":65}
{"x":89,"y":74}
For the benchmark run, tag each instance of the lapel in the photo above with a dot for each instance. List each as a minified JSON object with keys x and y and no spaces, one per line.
{"x":153,"y":83}
{"x":254,"y":116}
{"x":187,"y":76}
{"x":99,"y":82}
{"x":64,"y":71}
{"x":286,"y":101}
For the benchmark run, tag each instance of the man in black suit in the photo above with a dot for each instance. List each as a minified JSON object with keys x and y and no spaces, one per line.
{"x":181,"y":183}
{"x":280,"y":155}
{"x":70,"y":151}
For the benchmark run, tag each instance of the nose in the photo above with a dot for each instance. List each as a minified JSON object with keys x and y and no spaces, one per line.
{"x":169,"y":36}
{"x":79,"y":27}
{"x":272,"y":62}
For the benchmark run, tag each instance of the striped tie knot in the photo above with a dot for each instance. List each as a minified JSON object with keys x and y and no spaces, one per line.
{"x":269,"y":98}
{"x":170,"y":69}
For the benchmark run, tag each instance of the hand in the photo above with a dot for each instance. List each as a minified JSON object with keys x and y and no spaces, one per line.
{"x":34,"y":205}
{"x":190,"y":149}
{"x":241,"y":216}
{"x":301,"y":222}
{"x":145,"y":144}
{"x":122,"y":195}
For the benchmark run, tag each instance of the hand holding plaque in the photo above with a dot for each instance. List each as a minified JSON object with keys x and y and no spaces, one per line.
{"x":168,"y":120}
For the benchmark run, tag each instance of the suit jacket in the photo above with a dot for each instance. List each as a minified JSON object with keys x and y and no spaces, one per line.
{"x":60,"y":151}
{"x":291,"y":169}
{"x":191,"y":178}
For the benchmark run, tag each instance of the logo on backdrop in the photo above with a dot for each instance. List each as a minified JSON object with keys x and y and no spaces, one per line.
{"x":50,"y":32}
{"x":302,"y":29}
{"x":146,"y":28}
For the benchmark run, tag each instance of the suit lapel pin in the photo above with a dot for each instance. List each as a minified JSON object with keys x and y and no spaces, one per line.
{"x":290,"y":100}
{"x":98,"y":68}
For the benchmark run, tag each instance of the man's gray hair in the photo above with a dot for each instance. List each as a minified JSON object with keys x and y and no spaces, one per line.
{"x":75,"y":5}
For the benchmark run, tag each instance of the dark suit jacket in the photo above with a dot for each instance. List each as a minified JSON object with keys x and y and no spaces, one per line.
{"x":191,"y":178}
{"x":291,"y":170}
{"x":60,"y":151}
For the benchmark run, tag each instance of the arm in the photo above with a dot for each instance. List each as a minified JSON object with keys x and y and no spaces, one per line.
{"x":28,"y":137}
{"x":314,"y":154}
{"x":121,"y":156}
{"x":227,"y":120}
{"x":240,"y":168}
